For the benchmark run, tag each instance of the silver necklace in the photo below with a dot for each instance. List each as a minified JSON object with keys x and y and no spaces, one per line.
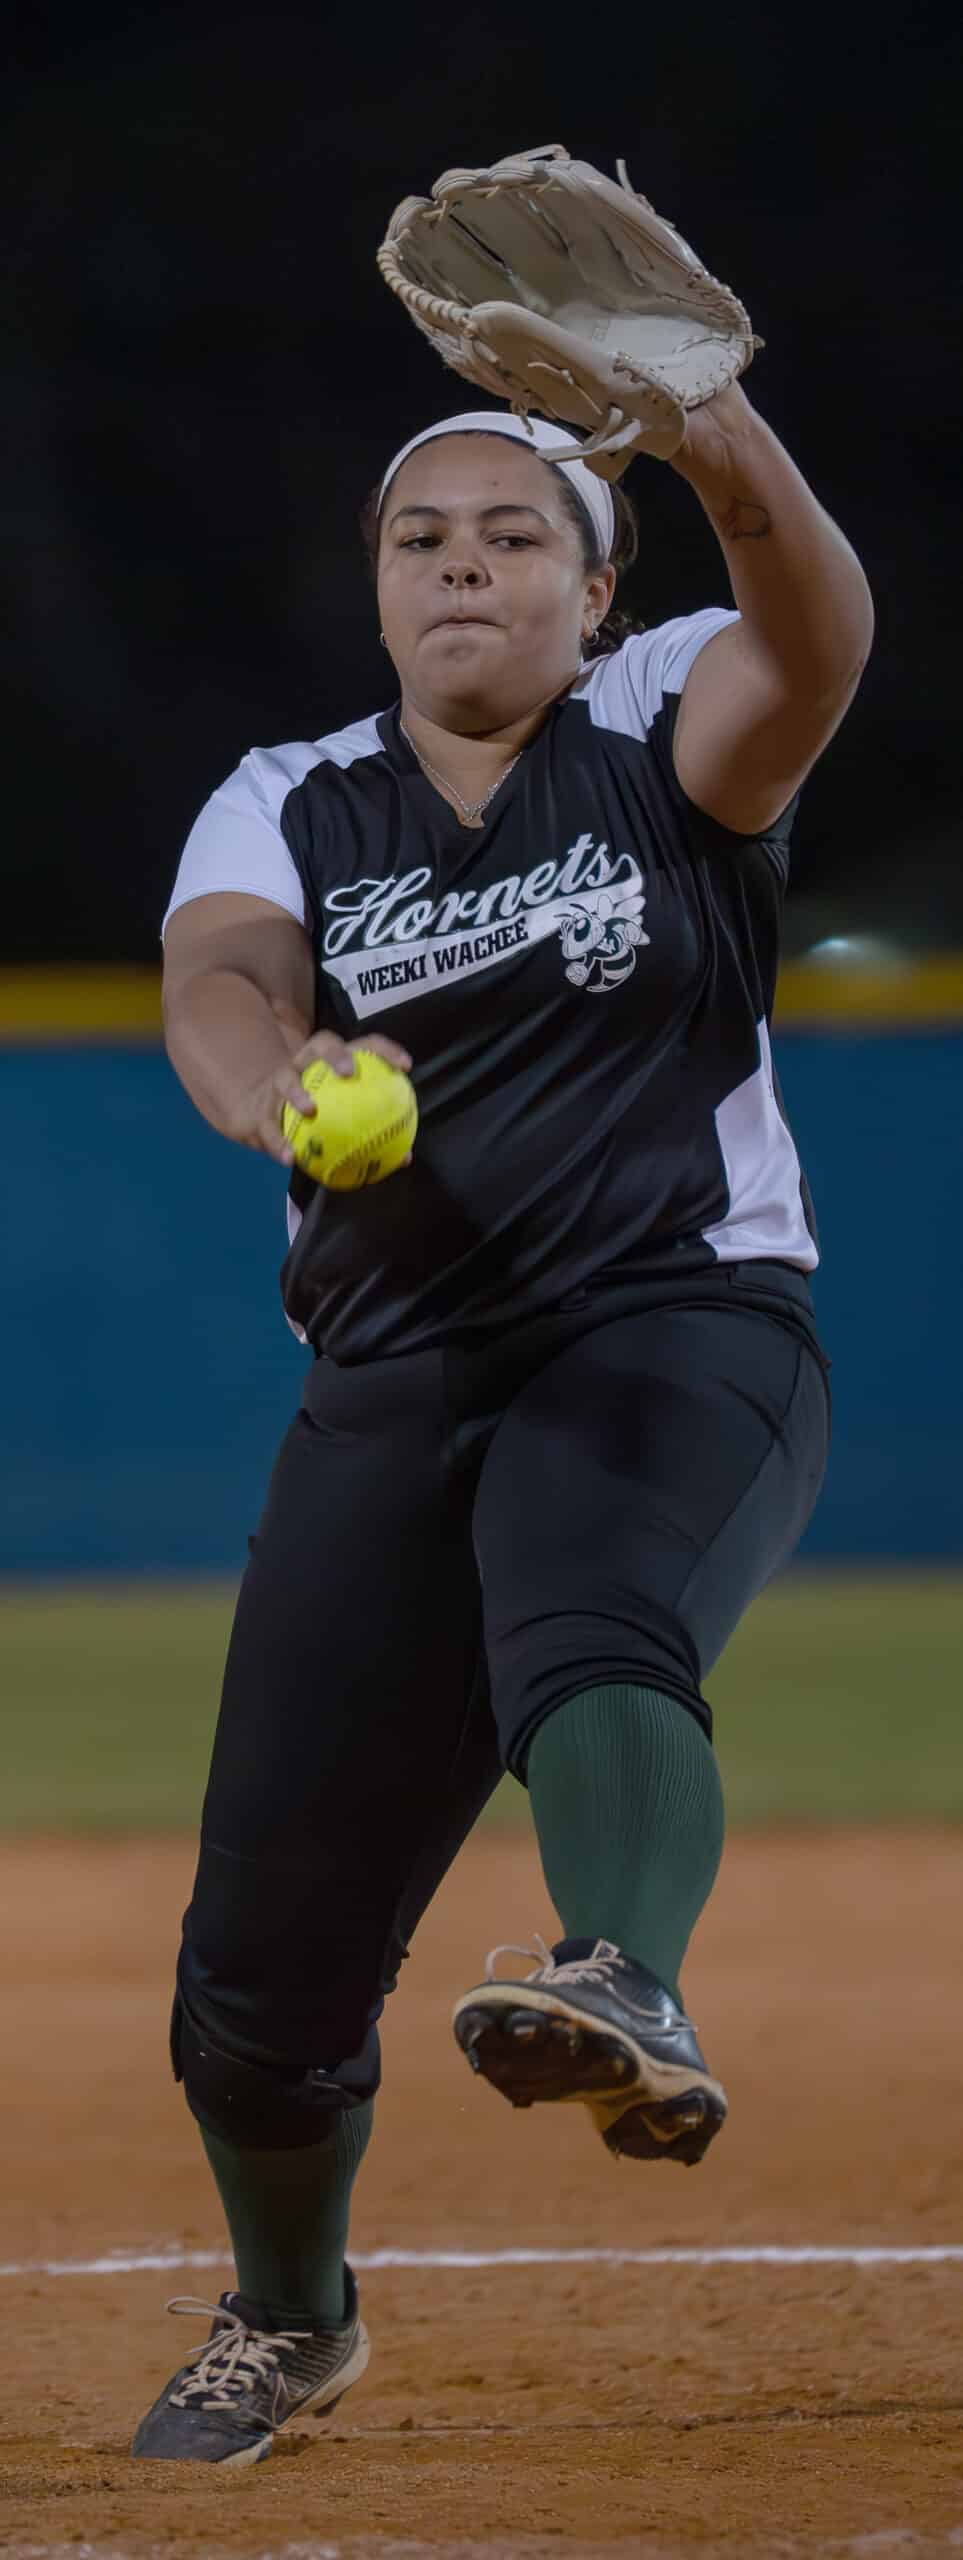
{"x":472,"y":808}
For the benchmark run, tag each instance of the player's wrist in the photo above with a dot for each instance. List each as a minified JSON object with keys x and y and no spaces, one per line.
{"x":720,"y":439}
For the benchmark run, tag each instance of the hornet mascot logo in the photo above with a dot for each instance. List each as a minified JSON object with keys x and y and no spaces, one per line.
{"x":599,"y":939}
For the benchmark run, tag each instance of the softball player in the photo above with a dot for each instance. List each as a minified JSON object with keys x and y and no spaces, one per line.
{"x":568,"y":1409}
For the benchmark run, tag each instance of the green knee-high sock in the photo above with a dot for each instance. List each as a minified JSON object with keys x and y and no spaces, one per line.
{"x":628,"y":1809}
{"x":287,"y":2213}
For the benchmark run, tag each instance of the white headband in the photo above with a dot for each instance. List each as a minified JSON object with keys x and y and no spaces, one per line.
{"x":595,"y":494}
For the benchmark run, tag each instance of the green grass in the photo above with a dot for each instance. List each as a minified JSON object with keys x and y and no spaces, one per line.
{"x":838,"y":1700}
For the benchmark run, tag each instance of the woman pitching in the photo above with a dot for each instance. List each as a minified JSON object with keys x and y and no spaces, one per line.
{"x":568,"y":1409}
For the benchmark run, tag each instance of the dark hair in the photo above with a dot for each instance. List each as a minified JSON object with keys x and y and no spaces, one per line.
{"x":624,"y":552}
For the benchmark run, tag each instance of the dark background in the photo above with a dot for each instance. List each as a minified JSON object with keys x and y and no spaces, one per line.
{"x":207,"y":374}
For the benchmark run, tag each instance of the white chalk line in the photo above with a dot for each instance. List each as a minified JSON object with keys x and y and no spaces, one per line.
{"x":117,"y":2262}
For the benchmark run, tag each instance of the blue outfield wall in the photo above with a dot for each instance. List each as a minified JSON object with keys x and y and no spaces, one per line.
{"x":147,"y":1372}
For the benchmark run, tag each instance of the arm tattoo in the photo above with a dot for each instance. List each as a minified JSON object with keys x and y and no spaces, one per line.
{"x":743,"y":521}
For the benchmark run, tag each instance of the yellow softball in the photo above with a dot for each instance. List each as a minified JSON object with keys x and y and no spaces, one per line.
{"x":364,"y":1126}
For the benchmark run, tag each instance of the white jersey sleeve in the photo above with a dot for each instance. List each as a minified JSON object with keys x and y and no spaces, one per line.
{"x":636,"y":691}
{"x":236,"y":843}
{"x":626,"y":690}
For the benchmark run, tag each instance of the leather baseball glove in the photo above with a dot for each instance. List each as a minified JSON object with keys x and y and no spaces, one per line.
{"x":559,"y":291}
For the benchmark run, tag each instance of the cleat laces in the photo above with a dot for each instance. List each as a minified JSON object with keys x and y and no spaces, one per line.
{"x":231,"y":2363}
{"x":540,"y":1957}
{"x":581,"y":1969}
{"x":601,"y":1966}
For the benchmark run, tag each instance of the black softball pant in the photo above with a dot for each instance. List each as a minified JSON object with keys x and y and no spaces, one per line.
{"x":453,"y":1543}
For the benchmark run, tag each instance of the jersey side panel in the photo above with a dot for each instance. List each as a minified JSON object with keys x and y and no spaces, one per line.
{"x":769,"y":1208}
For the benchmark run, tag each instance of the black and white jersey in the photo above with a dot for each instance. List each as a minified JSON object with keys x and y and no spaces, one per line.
{"x":585,"y":983}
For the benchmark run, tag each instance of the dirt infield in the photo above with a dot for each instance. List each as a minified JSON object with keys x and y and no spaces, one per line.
{"x":600,"y":2408}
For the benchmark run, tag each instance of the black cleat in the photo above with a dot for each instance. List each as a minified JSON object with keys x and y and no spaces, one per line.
{"x":247,"y":2379}
{"x":591,"y":2024}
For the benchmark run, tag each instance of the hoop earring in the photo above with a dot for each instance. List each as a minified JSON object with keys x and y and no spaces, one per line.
{"x":382,"y":639}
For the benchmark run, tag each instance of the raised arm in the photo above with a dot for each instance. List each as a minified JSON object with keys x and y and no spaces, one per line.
{"x":764,"y":697}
